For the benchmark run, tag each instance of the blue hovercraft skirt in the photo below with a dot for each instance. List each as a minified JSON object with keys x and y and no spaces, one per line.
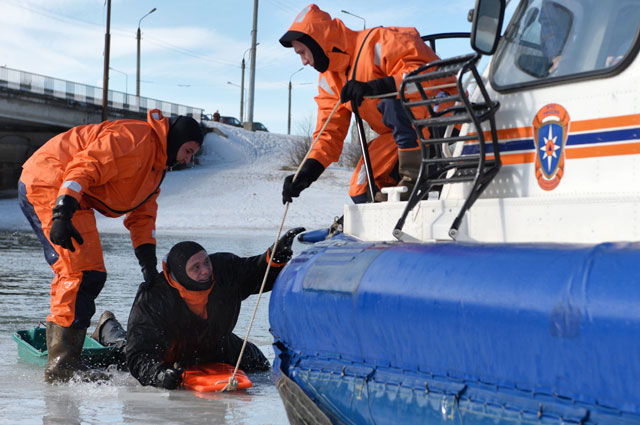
{"x":442,"y":333}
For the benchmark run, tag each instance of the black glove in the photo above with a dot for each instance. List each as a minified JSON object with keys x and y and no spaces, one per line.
{"x":355,"y":90}
{"x":170,"y":377}
{"x":283,"y":252}
{"x":146,"y":255}
{"x":310,"y":171}
{"x":62,"y":230}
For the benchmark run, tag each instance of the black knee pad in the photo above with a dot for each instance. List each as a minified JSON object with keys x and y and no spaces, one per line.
{"x":90,"y":287}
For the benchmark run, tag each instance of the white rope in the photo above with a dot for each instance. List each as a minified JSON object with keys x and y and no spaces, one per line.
{"x":232,"y":385}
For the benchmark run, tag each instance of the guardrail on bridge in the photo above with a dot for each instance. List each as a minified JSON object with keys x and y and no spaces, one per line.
{"x":49,"y":86}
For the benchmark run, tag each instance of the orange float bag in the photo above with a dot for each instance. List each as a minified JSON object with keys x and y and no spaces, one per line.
{"x":213,"y":377}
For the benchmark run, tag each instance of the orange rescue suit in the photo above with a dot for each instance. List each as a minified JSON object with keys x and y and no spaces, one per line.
{"x":383,"y":52}
{"x":114,"y":167}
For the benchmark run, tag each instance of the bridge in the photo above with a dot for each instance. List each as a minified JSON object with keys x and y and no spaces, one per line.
{"x":34,"y":108}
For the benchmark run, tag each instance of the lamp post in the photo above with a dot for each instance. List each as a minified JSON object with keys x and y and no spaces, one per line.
{"x":364,"y":26}
{"x":138,"y":61}
{"x":243,"y":94}
{"x":242,"y":84}
{"x":289,"y":115}
{"x":252,"y":68}
{"x":105,"y":77}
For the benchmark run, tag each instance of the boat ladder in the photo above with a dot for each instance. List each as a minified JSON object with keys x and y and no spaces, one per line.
{"x":447,"y":112}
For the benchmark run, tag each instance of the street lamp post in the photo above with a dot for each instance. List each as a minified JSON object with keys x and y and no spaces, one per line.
{"x":364,"y":26}
{"x":289,"y":115}
{"x":252,"y":68}
{"x":243,"y":94}
{"x":105,"y":77}
{"x":242,"y":85}
{"x":138,"y":59}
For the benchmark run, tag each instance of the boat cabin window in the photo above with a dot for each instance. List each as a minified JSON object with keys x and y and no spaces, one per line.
{"x":553,"y":40}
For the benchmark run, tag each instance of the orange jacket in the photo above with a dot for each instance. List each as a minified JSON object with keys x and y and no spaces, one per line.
{"x":387,"y":51}
{"x":115,"y":167}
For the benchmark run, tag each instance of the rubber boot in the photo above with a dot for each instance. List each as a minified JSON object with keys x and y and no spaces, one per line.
{"x":110,"y":333}
{"x":64,"y":348}
{"x":409,"y":163}
{"x":104,"y":317}
{"x":380,"y":197}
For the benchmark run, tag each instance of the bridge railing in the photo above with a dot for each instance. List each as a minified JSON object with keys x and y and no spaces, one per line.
{"x":49,"y":86}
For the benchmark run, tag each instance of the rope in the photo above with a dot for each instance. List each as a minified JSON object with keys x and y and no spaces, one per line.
{"x":232,"y":385}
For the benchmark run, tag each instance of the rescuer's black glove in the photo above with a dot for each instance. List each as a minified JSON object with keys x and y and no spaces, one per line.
{"x":310,"y":171}
{"x":146,"y":255}
{"x":62,"y":230}
{"x":355,"y":90}
{"x":283,"y":252}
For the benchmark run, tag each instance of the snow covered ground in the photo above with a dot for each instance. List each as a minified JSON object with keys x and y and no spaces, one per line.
{"x":236,"y":189}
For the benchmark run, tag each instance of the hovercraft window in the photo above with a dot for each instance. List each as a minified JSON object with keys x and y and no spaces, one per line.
{"x":548,"y":41}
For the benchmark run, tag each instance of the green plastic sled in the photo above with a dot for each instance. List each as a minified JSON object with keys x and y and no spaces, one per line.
{"x":32,"y":348}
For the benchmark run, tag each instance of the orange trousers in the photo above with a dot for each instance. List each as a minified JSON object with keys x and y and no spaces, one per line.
{"x":80,"y":275}
{"x":383,"y":153}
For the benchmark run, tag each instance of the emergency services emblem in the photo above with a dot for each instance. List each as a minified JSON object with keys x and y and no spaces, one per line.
{"x":550,"y":130}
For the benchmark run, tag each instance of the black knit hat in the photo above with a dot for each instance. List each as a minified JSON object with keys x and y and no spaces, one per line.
{"x":177,"y":265}
{"x":182,"y":129}
{"x":320,"y":60}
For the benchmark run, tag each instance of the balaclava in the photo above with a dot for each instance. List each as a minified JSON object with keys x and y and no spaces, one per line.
{"x":182,"y":129}
{"x":177,"y":265}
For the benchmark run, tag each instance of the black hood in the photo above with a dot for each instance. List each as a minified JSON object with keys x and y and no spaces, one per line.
{"x":320,"y":60}
{"x":182,"y":129}
{"x":177,"y":265}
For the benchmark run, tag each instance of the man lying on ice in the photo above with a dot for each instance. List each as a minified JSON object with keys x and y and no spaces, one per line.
{"x":187,"y":314}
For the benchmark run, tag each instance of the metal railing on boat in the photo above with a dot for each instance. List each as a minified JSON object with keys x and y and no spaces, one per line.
{"x":439,"y":87}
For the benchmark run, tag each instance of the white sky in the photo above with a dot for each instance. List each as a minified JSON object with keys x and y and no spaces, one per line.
{"x":191,"y":49}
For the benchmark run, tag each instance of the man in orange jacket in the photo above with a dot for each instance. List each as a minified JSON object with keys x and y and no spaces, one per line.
{"x":354,"y":65}
{"x":116,"y":168}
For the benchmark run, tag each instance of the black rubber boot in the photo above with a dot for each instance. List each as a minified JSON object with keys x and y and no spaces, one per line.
{"x":409,"y":163}
{"x":110,"y":333}
{"x":64,"y":348}
{"x":104,"y":317}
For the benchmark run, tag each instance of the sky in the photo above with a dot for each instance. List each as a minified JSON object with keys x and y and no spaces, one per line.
{"x":191,"y":50}
{"x":236,"y":189}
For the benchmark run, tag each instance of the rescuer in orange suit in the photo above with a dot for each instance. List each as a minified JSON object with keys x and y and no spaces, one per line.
{"x":381,"y":57}
{"x":115,"y":168}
